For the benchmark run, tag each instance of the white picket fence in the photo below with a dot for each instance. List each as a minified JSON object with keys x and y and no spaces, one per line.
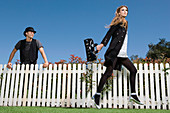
{"x":61,"y":86}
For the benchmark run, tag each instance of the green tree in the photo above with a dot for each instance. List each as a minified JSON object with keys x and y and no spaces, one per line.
{"x":160,"y":50}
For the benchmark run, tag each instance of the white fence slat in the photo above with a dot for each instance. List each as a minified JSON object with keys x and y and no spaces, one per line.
{"x":157,"y":87}
{"x":49,"y":86}
{"x":26,"y":85}
{"x":44,"y":87}
{"x":109,"y":99}
{"x":35,"y":91}
{"x":54,"y":86}
{"x":73,"y":86}
{"x":141,"y":83}
{"x":30,"y":85}
{"x":104,"y":99}
{"x":146,"y":86}
{"x":89,"y":93}
{"x":59,"y":84}
{"x":152,"y":87}
{"x":21,"y":85}
{"x":7,"y":87}
{"x":3,"y":86}
{"x":104,"y":96}
{"x":115,"y":89}
{"x":168,"y":84}
{"x":69,"y":86}
{"x":136,"y":87}
{"x":0,"y":74}
{"x":64,"y":87}
{"x":16,"y":86}
{"x":163,"y":86}
{"x":94,"y":80}
{"x":12,"y":85}
{"x":125,"y":88}
{"x":1,"y":78}
{"x":120,"y":88}
{"x":84,"y":87}
{"x":100,"y":74}
{"x":79,"y":91}
{"x":39,"y":100}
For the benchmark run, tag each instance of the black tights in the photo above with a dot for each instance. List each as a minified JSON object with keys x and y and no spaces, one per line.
{"x":109,"y":70}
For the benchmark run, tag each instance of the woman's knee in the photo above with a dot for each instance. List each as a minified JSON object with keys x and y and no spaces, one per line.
{"x":134,"y":71}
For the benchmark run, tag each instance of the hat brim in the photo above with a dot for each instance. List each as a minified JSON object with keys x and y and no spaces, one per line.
{"x":29,"y":30}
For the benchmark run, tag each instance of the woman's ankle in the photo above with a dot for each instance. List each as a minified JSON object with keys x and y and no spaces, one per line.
{"x":98,"y":93}
{"x":133,"y":93}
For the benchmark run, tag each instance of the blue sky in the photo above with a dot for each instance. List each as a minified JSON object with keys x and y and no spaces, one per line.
{"x":62,"y":25}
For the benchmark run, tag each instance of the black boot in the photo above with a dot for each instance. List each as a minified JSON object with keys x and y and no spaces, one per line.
{"x":135,"y":99}
{"x":96,"y":99}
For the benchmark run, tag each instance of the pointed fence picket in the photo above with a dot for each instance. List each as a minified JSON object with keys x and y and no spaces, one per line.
{"x":152,"y":88}
{"x":61,"y":86}
{"x":35,"y":92}
{"x":125,"y":99}
{"x":16,"y":86}
{"x":168,"y":84}
{"x":84,"y":101}
{"x":157,"y":77}
{"x":137,"y":87}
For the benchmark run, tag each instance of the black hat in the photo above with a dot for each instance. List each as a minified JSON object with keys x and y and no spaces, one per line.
{"x":29,"y":29}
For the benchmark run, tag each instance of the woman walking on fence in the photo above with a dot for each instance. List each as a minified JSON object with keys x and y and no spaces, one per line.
{"x":116,"y":54}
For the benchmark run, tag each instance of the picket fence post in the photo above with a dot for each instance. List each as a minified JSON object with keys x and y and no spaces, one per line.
{"x":35,"y":85}
{"x":146,"y":85}
{"x":15,"y":99}
{"x":39,"y":100}
{"x":158,"y":101}
{"x":152,"y":83}
{"x":84,"y":101}
{"x":168,"y":83}
{"x":137,"y":85}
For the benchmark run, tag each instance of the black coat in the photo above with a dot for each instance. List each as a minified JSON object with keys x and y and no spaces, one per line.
{"x":118,"y":34}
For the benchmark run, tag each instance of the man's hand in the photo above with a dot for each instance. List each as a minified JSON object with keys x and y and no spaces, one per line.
{"x":9,"y":65}
{"x":45,"y":65}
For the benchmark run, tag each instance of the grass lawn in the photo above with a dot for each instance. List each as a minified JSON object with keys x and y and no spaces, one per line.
{"x":74,"y":110}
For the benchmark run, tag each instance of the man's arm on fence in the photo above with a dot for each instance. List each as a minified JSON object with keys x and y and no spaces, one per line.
{"x":11,"y":57}
{"x":44,"y":57}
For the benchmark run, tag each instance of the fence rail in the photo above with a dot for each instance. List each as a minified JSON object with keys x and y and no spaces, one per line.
{"x":61,"y":86}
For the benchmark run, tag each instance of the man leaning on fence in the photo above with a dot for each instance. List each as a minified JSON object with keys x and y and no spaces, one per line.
{"x":28,"y":49}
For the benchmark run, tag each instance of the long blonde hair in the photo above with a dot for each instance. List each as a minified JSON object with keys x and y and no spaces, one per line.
{"x":119,"y":19}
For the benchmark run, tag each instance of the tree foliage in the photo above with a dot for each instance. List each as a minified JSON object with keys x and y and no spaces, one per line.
{"x":160,"y":50}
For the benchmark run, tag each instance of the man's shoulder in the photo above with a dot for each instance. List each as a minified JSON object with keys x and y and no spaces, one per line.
{"x":39,"y":44}
{"x":37,"y":41}
{"x":20,"y":41}
{"x":19,"y":44}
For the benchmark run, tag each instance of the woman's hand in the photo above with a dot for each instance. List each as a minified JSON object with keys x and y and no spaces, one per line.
{"x":99,"y":47}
